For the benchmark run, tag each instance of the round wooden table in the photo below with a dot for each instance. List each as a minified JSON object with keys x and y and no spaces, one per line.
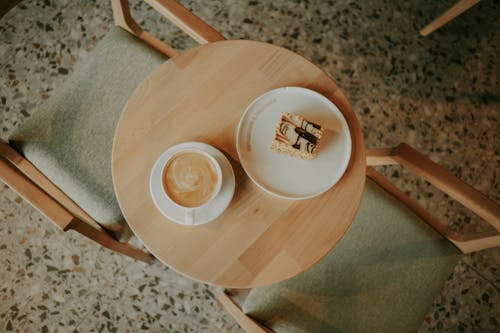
{"x":200,"y":95}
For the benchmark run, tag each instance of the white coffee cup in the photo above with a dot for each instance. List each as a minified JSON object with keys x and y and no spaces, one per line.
{"x":191,"y":179}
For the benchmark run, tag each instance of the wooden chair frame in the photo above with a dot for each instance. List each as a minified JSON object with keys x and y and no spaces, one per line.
{"x":31,"y":184}
{"x":455,"y":10}
{"x":422,"y":166}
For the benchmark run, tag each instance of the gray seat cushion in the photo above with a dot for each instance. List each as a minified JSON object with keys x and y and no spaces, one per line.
{"x":382,"y":276}
{"x":70,"y":138}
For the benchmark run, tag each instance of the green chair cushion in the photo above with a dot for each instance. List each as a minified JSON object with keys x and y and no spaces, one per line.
{"x":382,"y":276}
{"x":70,"y":138}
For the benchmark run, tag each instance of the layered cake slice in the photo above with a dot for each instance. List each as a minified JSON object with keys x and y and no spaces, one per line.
{"x":297,"y":136}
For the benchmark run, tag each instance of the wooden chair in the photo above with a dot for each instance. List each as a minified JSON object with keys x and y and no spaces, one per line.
{"x":385,"y":273}
{"x":457,"y":9}
{"x":60,"y":158}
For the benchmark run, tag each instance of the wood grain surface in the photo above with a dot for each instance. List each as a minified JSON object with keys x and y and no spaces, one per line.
{"x":200,"y":95}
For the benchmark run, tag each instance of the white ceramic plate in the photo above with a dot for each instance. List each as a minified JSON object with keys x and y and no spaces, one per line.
{"x":282,"y":175}
{"x":206,"y":213}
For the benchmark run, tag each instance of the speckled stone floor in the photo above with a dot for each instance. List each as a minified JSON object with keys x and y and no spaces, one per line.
{"x":441,"y":94}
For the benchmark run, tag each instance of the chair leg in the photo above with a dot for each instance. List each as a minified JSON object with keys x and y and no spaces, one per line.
{"x":457,"y":9}
{"x":102,"y":238}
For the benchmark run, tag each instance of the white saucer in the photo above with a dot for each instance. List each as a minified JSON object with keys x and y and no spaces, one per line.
{"x":206,"y":213}
{"x":282,"y":175}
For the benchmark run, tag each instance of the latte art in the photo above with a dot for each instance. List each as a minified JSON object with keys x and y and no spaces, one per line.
{"x":190,"y":179}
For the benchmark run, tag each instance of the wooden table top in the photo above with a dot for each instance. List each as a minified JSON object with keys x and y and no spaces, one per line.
{"x":200,"y":95}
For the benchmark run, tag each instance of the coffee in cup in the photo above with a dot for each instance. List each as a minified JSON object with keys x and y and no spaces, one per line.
{"x":191,"y":178}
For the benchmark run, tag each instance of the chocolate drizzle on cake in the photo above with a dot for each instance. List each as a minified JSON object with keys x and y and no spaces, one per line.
{"x":294,"y":133}
{"x":304,"y":134}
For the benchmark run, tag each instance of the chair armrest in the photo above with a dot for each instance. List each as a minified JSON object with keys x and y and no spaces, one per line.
{"x":123,"y":19}
{"x":475,"y":242}
{"x":39,"y":179}
{"x":173,"y":11}
{"x":9,"y":153}
{"x":444,"y":180}
{"x":17,"y":181}
{"x":380,"y":156}
{"x":191,"y":24}
{"x":26,"y":180}
{"x":466,"y":244}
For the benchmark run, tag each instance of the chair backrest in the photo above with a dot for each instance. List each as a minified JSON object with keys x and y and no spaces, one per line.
{"x":176,"y":13}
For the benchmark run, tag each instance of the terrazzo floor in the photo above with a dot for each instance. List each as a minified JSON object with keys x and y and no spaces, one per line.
{"x":440,"y":94}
